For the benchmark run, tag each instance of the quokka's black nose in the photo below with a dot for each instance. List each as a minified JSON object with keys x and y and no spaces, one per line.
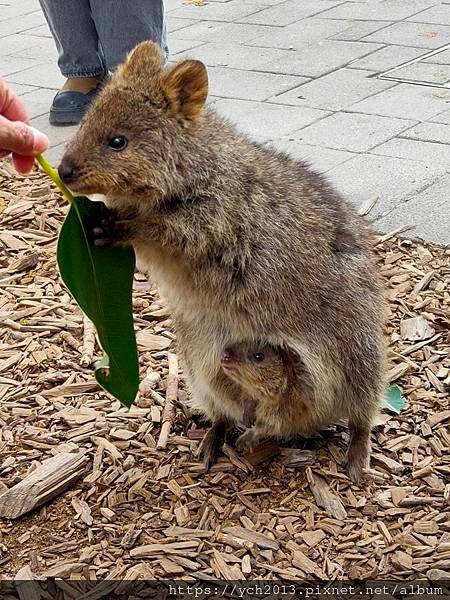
{"x":67,"y":170}
{"x":228,"y":357}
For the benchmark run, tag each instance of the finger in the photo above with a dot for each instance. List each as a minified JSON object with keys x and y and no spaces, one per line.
{"x":11,"y":106}
{"x":19,"y":138}
{"x":40,"y":141}
{"x":23,"y":164}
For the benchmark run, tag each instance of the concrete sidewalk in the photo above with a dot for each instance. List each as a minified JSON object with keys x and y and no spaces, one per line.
{"x":305,"y":76}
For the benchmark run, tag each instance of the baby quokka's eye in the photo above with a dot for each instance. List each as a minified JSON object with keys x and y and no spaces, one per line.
{"x":258,"y":356}
{"x":118,"y":143}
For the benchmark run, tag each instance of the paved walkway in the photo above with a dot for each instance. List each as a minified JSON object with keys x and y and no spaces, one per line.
{"x":304,"y":75}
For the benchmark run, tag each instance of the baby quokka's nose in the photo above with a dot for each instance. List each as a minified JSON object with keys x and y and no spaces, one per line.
{"x":67,"y":170}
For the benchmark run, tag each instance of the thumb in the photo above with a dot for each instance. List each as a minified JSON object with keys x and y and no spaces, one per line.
{"x":19,"y":138}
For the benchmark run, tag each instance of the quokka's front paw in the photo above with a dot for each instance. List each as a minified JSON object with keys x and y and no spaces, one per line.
{"x":249,"y":413}
{"x":109,"y":231}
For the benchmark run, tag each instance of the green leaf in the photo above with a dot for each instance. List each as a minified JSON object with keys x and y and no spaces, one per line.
{"x":100,"y":280}
{"x":393,"y":400}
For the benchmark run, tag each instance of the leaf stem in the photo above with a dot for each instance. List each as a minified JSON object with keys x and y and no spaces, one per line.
{"x":53,"y":174}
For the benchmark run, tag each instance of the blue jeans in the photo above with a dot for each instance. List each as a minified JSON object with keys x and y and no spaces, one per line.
{"x":94,"y":36}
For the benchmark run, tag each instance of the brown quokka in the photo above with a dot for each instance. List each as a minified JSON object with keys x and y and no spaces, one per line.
{"x":245,"y":242}
{"x":278,"y":398}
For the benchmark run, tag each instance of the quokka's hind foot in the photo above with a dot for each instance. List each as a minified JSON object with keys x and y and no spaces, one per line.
{"x":250,"y":438}
{"x":211,"y":445}
{"x":358,"y":454}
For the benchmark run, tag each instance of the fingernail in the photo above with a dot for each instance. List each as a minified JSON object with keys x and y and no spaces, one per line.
{"x":40,"y":142}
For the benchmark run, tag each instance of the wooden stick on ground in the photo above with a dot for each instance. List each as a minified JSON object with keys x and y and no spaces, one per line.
{"x":324,"y":497}
{"x":387,"y":236}
{"x":171,"y":396}
{"x":367,"y":206}
{"x":46,"y":482}
{"x":70,"y":340}
{"x":88,"y":343}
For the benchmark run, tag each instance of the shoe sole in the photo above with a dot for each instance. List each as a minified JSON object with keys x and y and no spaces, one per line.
{"x":66,"y":117}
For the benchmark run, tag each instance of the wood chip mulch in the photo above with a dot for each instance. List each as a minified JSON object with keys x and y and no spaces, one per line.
{"x":142,"y":506}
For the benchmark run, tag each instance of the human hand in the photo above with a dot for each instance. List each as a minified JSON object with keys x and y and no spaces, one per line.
{"x":16,"y":136}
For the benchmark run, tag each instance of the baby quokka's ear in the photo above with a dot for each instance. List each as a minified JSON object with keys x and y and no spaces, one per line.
{"x":186,"y":88}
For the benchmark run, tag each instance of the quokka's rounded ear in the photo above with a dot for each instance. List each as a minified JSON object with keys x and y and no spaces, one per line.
{"x":144,"y":60}
{"x":186,"y":88}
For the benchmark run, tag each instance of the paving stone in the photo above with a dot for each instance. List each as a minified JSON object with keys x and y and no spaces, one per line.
{"x":353,"y":132}
{"x":18,"y":42}
{"x":42,"y":50}
{"x":234,"y":55}
{"x":216,"y":31}
{"x":171,"y":5}
{"x":9,"y":11}
{"x":419,"y":35}
{"x":428,"y":211}
{"x":270,"y":3}
{"x":289,"y":12}
{"x":174,"y":24}
{"x":230,"y":11}
{"x":320,"y":58}
{"x":38,"y":101}
{"x":298,"y":35}
{"x":320,"y":159}
{"x":335,"y":91}
{"x":12,"y":64}
{"x":387,"y":58}
{"x":360,"y":29}
{"x":441,"y":58}
{"x":178,"y":46}
{"x":55,"y":153}
{"x":249,"y":85}
{"x":405,"y":101}
{"x":426,"y":72}
{"x":263,"y":121}
{"x":389,"y":180}
{"x":432,"y":153}
{"x":21,"y":89}
{"x":42,"y":75}
{"x":42,"y":31}
{"x":439,"y":14}
{"x":21,"y":22}
{"x":442,"y":118}
{"x":56,"y":135}
{"x":429,"y":132}
{"x":392,"y":10}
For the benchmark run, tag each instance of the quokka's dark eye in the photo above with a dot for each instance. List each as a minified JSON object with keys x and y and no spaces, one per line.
{"x":118,"y":143}
{"x":258,"y":356}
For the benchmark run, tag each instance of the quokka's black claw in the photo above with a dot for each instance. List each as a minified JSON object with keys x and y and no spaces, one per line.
{"x":103,"y":233}
{"x":207,"y":465}
{"x":102,"y":242}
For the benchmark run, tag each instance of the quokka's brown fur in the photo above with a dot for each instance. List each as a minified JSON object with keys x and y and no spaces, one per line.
{"x":245,"y":243}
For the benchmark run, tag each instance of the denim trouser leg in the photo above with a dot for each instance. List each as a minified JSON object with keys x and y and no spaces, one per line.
{"x":93,"y":36}
{"x":121,"y":24}
{"x":75,"y":36}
